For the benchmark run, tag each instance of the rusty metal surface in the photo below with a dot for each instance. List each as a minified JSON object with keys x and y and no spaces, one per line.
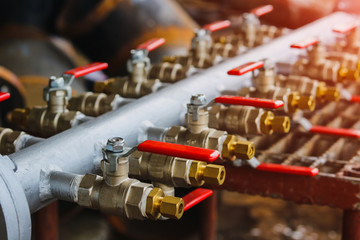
{"x":338,"y":159}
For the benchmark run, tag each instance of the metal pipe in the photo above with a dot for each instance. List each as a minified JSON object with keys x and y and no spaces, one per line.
{"x":77,"y":150}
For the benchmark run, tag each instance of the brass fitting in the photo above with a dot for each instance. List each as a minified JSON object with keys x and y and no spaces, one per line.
{"x":201,"y":173}
{"x":233,"y":149}
{"x":345,"y":75}
{"x":93,"y":104}
{"x":270,"y":123}
{"x":327,"y":93}
{"x":167,"y":72}
{"x":126,"y":87}
{"x":172,"y":171}
{"x":19,"y":117}
{"x":245,"y":120}
{"x":158,"y":204}
{"x":295,"y":102}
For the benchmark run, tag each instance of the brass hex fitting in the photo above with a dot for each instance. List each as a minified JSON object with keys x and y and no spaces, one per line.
{"x":214,"y":174}
{"x":196,"y":173}
{"x":307,"y":103}
{"x":327,"y":93}
{"x":169,"y":59}
{"x":270,"y":123}
{"x":103,"y":87}
{"x":158,"y":204}
{"x":233,"y":149}
{"x":281,"y":124}
{"x":201,"y":173}
{"x":172,"y":207}
{"x":19,"y":117}
{"x":296,"y":102}
{"x":345,"y":74}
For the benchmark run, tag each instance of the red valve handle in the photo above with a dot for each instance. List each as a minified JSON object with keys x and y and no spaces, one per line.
{"x":295,"y":170}
{"x":341,"y":132}
{"x":245,"y":68}
{"x":247,"y":101}
{"x":305,"y":43}
{"x":262,"y":10}
{"x":4,"y":96}
{"x":344,"y":27}
{"x":177,"y":150}
{"x":151,"y":44}
{"x":92,"y":67}
{"x":216,"y":26}
{"x":355,"y":98}
{"x":193,"y":198}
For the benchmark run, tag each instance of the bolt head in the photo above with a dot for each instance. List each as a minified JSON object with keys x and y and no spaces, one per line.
{"x":198,"y":99}
{"x":115,"y":144}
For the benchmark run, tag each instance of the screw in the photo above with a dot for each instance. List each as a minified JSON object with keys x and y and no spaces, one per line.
{"x":115,"y":144}
{"x":198,"y":99}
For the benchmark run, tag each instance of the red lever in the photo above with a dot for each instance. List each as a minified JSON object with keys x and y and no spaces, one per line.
{"x":245,"y":68}
{"x":177,"y":150}
{"x":306,"y":43}
{"x":344,"y":27}
{"x":151,"y":44}
{"x":4,"y":96}
{"x":295,"y":170}
{"x":247,"y":101}
{"x":195,"y":197}
{"x":216,"y":26}
{"x":262,"y":10}
{"x":341,"y":132}
{"x":355,"y":98}
{"x":92,"y":67}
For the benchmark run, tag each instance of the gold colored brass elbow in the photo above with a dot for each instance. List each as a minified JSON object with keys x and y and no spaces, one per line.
{"x":233,"y":149}
{"x":201,"y":173}
{"x":158,"y":204}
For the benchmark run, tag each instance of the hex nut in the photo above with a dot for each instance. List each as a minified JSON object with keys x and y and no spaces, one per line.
{"x":281,"y":124}
{"x":153,"y":200}
{"x":214,"y":174}
{"x":196,"y":173}
{"x":198,"y":99}
{"x":265,"y":122}
{"x":214,"y":138}
{"x":115,"y":144}
{"x":85,"y":189}
{"x":244,"y":150}
{"x":172,"y":207}
{"x":307,"y":103}
{"x":133,"y":201}
{"x":228,"y":147}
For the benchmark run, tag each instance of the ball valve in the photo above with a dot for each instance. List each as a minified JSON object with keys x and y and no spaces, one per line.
{"x":264,"y":87}
{"x":176,"y":165}
{"x":317,"y":64}
{"x":246,"y":116}
{"x":137,"y":83}
{"x":203,"y":52}
{"x":55,"y":117}
{"x":348,"y":39}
